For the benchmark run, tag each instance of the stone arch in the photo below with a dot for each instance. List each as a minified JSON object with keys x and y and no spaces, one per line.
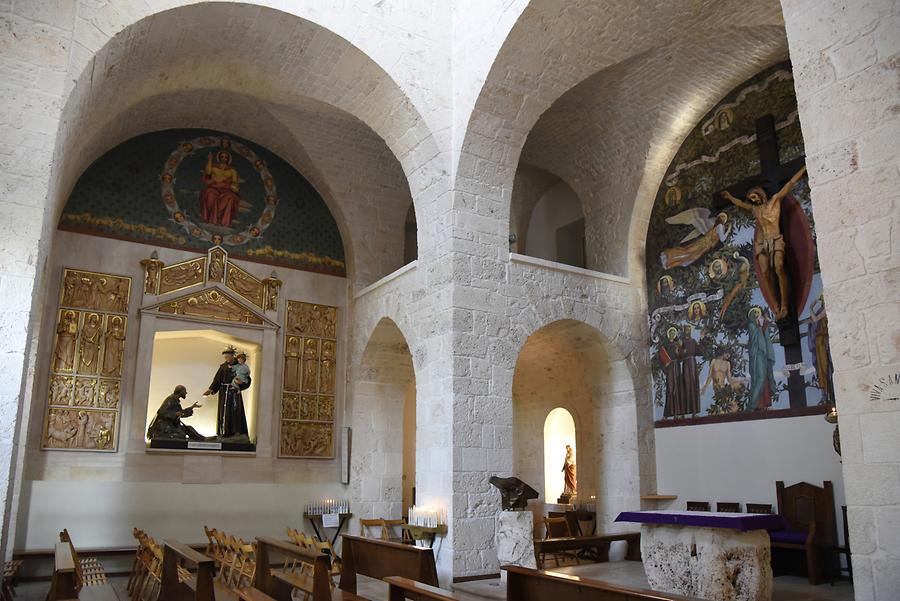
{"x":570,"y":364}
{"x":384,"y":383}
{"x":556,"y":226}
{"x":623,"y":46}
{"x":147,"y":58}
{"x":529,"y":186}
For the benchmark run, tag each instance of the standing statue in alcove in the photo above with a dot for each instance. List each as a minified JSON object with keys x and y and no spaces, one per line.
{"x":568,"y":471}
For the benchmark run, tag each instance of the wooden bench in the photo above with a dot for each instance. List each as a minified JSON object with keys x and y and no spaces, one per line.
{"x":76,"y":578}
{"x":525,"y":584}
{"x":400,"y":589}
{"x":199,"y":587}
{"x":595,"y":547}
{"x":380,"y":559}
{"x":312,"y":576}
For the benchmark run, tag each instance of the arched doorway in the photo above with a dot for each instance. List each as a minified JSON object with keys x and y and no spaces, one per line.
{"x":559,"y":437}
{"x":383,"y":420}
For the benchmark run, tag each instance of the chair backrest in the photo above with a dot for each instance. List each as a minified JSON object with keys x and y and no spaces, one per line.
{"x":387,"y":529}
{"x":759,"y":508}
{"x":373,"y":528}
{"x":698,"y":506}
{"x":556,"y":528}
{"x":727,"y":507}
{"x":803,"y":503}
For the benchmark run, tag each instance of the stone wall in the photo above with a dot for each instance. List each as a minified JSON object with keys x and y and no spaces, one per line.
{"x":847,"y":77}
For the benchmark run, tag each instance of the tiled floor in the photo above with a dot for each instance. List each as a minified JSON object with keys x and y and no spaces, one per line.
{"x":625,"y":573}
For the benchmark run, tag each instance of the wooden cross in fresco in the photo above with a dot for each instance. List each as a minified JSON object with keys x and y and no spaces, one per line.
{"x":773,"y":175}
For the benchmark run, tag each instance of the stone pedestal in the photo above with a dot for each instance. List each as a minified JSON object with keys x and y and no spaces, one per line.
{"x":515,"y":540}
{"x":719,"y":564}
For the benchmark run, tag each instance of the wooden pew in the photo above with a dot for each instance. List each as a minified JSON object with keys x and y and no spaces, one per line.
{"x":379,"y":559}
{"x":76,"y":578}
{"x":400,"y":589}
{"x":525,"y":584}
{"x":197,"y":588}
{"x":279,"y":583}
{"x":596,"y":547}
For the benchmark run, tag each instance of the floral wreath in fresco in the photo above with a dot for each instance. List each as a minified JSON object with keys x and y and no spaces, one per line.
{"x":220,"y":200}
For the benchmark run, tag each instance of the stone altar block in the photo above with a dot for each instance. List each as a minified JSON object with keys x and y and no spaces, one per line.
{"x":721,"y":557}
{"x":515,"y":540}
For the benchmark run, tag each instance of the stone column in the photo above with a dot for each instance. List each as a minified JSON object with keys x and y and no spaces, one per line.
{"x":846,"y":58}
{"x":515,"y":540}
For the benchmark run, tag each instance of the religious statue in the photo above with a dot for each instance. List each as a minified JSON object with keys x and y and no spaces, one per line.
{"x":310,"y":364}
{"x":167,"y":423}
{"x":326,"y":376}
{"x":762,"y":361}
{"x":230,"y":417}
{"x":216,"y":265}
{"x":89,"y":347}
{"x":219,"y":200}
{"x":708,"y":231}
{"x":115,"y":348}
{"x":568,"y":470}
{"x":64,"y":353}
{"x":769,"y":247}
{"x":514,"y":493}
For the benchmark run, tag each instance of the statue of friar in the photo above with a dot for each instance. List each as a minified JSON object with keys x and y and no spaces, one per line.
{"x":167,"y":423}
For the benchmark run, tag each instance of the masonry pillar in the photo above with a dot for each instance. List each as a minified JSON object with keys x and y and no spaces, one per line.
{"x":846,"y":58}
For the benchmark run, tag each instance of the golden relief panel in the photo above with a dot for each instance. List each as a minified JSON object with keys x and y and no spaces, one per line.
{"x":307,"y":439}
{"x":182,"y":275}
{"x":80,"y":429}
{"x":246,"y":285}
{"x":217,"y":259}
{"x":86,"y":362}
{"x":92,"y":290}
{"x":211,"y":304}
{"x":310,"y":355}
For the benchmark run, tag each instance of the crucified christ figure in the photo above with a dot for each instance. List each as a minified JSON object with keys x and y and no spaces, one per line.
{"x":769,"y":248}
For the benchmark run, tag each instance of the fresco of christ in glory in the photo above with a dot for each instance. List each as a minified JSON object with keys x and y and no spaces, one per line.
{"x":219,"y":200}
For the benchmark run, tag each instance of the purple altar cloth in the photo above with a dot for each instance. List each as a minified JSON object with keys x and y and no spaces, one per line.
{"x":706,"y":519}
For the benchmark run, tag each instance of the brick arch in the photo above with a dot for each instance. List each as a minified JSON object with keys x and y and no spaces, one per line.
{"x":552,"y":48}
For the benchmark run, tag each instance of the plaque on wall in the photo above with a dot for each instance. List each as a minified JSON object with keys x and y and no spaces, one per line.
{"x":87,"y":358}
{"x":308,"y":381}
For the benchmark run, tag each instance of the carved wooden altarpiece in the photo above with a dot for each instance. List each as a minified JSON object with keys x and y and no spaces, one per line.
{"x":88,"y":356}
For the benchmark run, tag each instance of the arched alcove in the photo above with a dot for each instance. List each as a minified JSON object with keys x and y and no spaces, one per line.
{"x":556,"y":227}
{"x":383,"y":422}
{"x":410,"y":236}
{"x":559,"y":433}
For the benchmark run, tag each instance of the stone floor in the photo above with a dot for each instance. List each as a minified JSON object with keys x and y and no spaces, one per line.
{"x":625,"y":573}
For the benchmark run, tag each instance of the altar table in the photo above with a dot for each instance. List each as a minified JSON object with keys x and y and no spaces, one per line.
{"x":716,"y":556}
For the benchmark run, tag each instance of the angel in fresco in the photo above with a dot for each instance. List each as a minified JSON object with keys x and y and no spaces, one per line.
{"x":707,"y":233}
{"x":769,"y":247}
{"x":219,"y":200}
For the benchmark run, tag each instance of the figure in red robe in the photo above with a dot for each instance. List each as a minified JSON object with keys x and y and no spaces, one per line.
{"x":219,"y":200}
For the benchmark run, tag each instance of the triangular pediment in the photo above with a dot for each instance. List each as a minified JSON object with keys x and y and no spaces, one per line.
{"x":212,"y":304}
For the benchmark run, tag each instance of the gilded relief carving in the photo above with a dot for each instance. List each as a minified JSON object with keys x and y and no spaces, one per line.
{"x":89,"y":346}
{"x":306,"y":439}
{"x":182,"y":275}
{"x":292,"y":363}
{"x":114,"y":346}
{"x":98,"y":291}
{"x":80,"y":429}
{"x":212,"y":304}
{"x":271,"y":286}
{"x":246,"y":285}
{"x":89,"y":341}
{"x":217,"y":258}
{"x":64,"y":348}
{"x":62,"y":390}
{"x":290,"y":406}
{"x":310,"y":365}
{"x":310,"y":355}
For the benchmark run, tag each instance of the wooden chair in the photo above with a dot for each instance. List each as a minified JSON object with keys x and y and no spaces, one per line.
{"x":557,"y":527}
{"x":10,"y":571}
{"x":389,"y":528}
{"x":697,"y":506}
{"x":728,"y":507}
{"x":378,"y":558}
{"x":759,"y":508}
{"x":808,"y":512}
{"x":596,"y":547}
